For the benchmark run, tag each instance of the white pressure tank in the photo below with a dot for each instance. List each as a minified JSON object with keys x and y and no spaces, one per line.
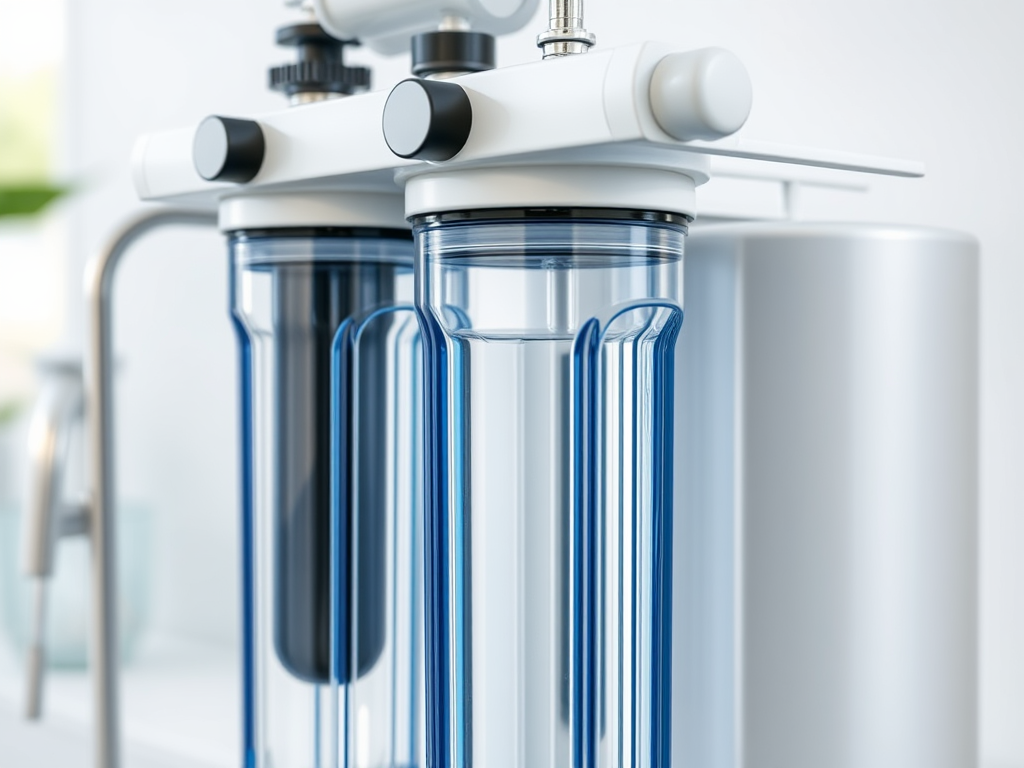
{"x":825,"y":584}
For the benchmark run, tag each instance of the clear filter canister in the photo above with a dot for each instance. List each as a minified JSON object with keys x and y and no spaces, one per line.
{"x":549,"y":340}
{"x":308,"y":624}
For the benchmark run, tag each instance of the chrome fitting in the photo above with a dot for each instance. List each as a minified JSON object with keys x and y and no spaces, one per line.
{"x":566,"y":34}
{"x":454,"y":23}
{"x":311,"y":97}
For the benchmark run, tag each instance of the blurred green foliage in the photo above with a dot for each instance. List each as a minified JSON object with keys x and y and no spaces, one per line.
{"x":24,"y":200}
{"x":27,"y":122}
{"x":9,"y":411}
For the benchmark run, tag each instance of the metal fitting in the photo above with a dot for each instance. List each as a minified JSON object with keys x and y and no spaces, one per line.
{"x":566,"y":34}
{"x":453,"y":23}
{"x":311,"y":97}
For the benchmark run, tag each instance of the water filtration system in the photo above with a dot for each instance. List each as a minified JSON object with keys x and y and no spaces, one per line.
{"x":490,"y":516}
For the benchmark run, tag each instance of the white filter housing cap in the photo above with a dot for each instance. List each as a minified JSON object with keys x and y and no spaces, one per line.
{"x":336,"y":208}
{"x":386,"y":26}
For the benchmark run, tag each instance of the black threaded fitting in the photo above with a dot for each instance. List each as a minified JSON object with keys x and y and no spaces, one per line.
{"x":452,"y":51}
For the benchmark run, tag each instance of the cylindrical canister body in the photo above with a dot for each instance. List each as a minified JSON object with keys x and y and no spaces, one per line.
{"x":549,"y":340}
{"x":827,"y":412}
{"x":310,"y":495}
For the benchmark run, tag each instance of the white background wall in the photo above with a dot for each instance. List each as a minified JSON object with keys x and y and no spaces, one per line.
{"x":935,"y":80}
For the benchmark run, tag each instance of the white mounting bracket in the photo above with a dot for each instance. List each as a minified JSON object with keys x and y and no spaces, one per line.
{"x":596,"y":109}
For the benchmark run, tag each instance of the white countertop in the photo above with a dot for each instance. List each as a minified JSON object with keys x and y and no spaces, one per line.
{"x":179,"y":709}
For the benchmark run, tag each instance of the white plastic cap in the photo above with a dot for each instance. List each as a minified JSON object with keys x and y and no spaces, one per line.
{"x":703,"y":94}
{"x":386,"y":26}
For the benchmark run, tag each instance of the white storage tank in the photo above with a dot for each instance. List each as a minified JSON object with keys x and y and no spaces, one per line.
{"x":827,"y":498}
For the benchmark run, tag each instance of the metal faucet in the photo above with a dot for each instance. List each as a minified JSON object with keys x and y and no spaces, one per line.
{"x":49,"y":517}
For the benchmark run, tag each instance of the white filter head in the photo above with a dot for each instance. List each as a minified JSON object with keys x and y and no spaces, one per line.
{"x":386,"y":26}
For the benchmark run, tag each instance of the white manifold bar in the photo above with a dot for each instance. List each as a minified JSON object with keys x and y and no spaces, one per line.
{"x":587,"y":110}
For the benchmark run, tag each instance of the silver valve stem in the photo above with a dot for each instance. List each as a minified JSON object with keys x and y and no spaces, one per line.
{"x":566,"y":35}
{"x":453,"y":23}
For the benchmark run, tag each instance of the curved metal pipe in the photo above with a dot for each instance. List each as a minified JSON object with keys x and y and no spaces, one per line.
{"x":59,"y":400}
{"x":100,"y":435}
{"x":48,"y":445}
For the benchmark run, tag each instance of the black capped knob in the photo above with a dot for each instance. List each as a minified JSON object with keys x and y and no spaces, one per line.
{"x":228,"y":149}
{"x":452,"y":51}
{"x":427,"y":119}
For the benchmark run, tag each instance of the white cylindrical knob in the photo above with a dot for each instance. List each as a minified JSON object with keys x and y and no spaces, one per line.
{"x":387,"y":26}
{"x":703,"y":94}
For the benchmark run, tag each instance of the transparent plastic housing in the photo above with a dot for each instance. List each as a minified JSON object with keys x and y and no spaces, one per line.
{"x":380,"y":707}
{"x":549,"y":340}
{"x":329,"y":505}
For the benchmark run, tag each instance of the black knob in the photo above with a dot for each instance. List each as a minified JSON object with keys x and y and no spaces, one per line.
{"x":452,"y":51}
{"x":321,"y":64}
{"x":427,"y":119}
{"x":228,"y":149}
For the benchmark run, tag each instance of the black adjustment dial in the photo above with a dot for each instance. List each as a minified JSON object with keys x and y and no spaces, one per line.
{"x":427,"y":119}
{"x":228,"y":149}
{"x":321,"y":64}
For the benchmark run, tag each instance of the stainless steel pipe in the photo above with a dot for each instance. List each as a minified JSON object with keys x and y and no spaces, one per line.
{"x":100,"y":441}
{"x":566,"y":14}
